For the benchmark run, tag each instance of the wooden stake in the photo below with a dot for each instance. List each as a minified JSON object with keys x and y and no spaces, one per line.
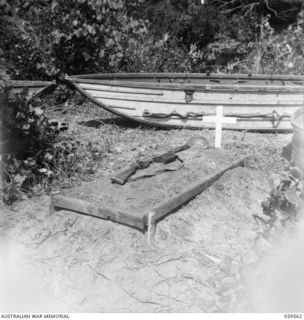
{"x":151,"y":228}
{"x":218,"y":127}
{"x":52,"y":207}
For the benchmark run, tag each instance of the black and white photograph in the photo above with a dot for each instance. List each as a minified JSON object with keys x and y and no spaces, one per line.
{"x":152,"y":159}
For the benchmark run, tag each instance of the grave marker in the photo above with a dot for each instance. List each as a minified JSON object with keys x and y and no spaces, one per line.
{"x":219,"y":119}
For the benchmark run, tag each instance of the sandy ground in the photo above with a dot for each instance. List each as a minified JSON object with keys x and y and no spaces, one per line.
{"x":208,"y":257}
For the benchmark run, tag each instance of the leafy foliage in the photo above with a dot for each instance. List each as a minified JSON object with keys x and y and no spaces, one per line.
{"x":44,"y":38}
{"x":63,"y":36}
{"x":36,"y":157}
{"x":286,"y":194}
{"x":188,"y":22}
{"x":21,"y":48}
{"x":253,"y":43}
{"x":282,"y":53}
{"x":284,"y":202}
{"x":28,"y":141}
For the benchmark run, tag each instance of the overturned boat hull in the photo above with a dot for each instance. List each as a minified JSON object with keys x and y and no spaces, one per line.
{"x":255,"y":102}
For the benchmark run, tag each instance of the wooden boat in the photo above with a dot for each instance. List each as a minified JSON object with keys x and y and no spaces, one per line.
{"x":179,"y":100}
{"x":34,"y":88}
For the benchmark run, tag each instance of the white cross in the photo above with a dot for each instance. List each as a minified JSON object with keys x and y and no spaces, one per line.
{"x":219,"y":119}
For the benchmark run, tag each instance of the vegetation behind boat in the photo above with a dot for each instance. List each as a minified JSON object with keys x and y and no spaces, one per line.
{"x":42,"y":39}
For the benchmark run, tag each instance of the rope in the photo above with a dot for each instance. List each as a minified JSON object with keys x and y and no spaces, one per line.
{"x":273,"y":117}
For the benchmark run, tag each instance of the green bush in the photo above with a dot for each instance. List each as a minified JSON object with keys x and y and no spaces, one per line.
{"x":42,"y":39}
{"x":28,"y":148}
{"x":20,"y":49}
{"x":35,"y":156}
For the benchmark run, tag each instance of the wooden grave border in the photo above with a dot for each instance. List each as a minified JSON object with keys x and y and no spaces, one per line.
{"x":149,"y":219}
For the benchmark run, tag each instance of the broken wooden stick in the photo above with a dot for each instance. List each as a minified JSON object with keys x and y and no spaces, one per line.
{"x":93,"y":209}
{"x":184,"y":196}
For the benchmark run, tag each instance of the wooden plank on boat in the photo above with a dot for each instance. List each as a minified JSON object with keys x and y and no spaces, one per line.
{"x":59,"y":202}
{"x":191,"y":86}
{"x":167,"y":75}
{"x":255,"y":126}
{"x":139,"y":108}
{"x":204,"y":98}
{"x":98,"y":89}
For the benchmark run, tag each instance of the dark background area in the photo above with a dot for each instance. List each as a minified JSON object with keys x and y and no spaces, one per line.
{"x":41,"y":39}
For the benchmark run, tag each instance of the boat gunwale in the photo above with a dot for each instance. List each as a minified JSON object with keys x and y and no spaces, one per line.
{"x":188,"y":86}
{"x":201,"y":103}
{"x":190,"y":75}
